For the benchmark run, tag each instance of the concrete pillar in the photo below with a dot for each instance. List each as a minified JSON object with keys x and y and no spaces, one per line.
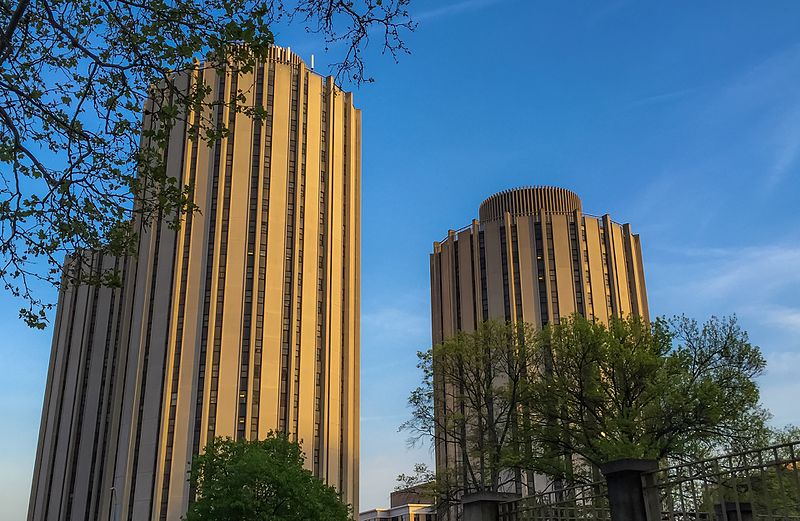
{"x":484,"y":506}
{"x":626,"y":493}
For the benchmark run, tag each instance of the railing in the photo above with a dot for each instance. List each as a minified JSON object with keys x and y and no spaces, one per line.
{"x":577,"y":503}
{"x":755,"y":485}
{"x":456,"y":231}
{"x":761,"y":484}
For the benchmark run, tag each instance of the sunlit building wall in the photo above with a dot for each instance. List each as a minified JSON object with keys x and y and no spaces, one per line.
{"x":243,"y":321}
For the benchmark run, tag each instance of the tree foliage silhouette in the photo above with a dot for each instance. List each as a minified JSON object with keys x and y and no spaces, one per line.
{"x":81,"y":159}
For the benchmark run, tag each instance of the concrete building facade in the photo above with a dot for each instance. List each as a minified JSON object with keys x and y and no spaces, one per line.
{"x":415,"y":503}
{"x":245,"y":320}
{"x":407,"y":512}
{"x":533,"y":256}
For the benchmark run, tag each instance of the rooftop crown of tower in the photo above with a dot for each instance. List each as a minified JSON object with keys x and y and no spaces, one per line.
{"x":529,"y":200}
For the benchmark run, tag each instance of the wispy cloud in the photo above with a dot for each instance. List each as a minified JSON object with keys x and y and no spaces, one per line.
{"x":786,"y":143}
{"x":391,"y":337}
{"x":764,"y":81}
{"x":748,"y":278}
{"x":378,"y":478}
{"x":660,"y":98}
{"x":740,"y":130}
{"x":761,"y":270}
{"x":393,"y":321}
{"x":780,"y":387}
{"x":759,"y":284}
{"x":452,"y":9}
{"x":783,"y":317}
{"x":766,"y":97}
{"x":783,"y":364}
{"x":394,"y":418}
{"x":673,"y":190}
{"x":391,"y":333}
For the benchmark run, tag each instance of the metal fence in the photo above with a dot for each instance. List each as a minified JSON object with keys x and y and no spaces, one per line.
{"x":577,"y":503}
{"x":761,"y":484}
{"x":755,"y":485}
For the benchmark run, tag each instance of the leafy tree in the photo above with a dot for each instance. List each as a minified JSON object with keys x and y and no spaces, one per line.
{"x":783,"y":435}
{"x":469,"y":407}
{"x":507,"y":403}
{"x":76,"y":148}
{"x":259,"y":481}
{"x":422,"y":477}
{"x":418,"y":487}
{"x":671,"y":389}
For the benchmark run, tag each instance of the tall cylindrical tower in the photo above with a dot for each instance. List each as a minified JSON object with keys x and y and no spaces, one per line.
{"x":243,"y":321}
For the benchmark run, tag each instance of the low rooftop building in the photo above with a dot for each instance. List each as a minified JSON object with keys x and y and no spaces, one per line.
{"x":409,"y":504}
{"x":408,"y":512}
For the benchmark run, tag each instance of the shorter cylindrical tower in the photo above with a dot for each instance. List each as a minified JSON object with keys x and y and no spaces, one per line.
{"x":529,"y":200}
{"x":533,"y":256}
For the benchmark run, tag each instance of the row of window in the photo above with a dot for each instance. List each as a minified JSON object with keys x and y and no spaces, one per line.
{"x":176,"y":360}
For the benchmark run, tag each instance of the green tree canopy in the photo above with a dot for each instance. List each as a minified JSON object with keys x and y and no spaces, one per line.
{"x":77,"y":146}
{"x":507,"y":402}
{"x":671,"y":389}
{"x":259,"y":481}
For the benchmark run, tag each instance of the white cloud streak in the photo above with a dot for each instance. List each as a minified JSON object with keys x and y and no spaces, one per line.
{"x":767,"y":92}
{"x":452,"y":9}
{"x":786,"y":143}
{"x":754,"y":277}
{"x":657,"y":99}
{"x":760,"y":270}
{"x":390,"y":322}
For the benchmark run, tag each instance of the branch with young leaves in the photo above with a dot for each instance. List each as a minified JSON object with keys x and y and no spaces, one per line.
{"x":82,"y":162}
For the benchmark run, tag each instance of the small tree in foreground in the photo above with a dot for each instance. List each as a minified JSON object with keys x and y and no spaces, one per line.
{"x":259,"y":481}
{"x":469,"y":404}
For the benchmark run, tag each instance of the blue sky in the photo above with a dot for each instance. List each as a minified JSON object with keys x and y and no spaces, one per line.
{"x":682,"y":118}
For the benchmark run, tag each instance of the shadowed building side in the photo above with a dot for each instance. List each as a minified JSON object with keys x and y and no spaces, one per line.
{"x":243,"y":321}
{"x":533,"y":256}
{"x":80,"y":417}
